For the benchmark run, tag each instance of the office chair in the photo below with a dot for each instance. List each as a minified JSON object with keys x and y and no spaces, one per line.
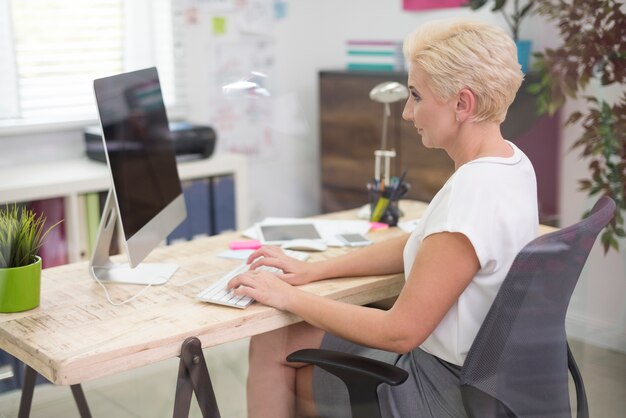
{"x":518,"y":363}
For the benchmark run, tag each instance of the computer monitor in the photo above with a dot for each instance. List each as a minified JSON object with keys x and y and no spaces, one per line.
{"x":145,"y":198}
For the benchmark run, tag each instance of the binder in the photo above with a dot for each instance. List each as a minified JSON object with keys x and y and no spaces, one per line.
{"x":92,"y":212}
{"x":198,"y":221}
{"x":83,"y":233}
{"x":54,"y":250}
{"x":223,"y":200}
{"x":197,"y":199}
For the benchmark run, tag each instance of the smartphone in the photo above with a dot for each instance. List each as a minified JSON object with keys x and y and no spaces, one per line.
{"x":354,"y":240}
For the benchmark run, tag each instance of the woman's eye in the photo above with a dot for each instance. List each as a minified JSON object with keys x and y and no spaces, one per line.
{"x":416,"y":97}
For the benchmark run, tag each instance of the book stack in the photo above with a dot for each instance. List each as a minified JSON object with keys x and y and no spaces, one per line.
{"x":374,"y":56}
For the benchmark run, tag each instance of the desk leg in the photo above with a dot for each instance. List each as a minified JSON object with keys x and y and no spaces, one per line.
{"x":81,"y":401}
{"x":26,"y":401}
{"x":30,"y":375}
{"x":194,"y":376}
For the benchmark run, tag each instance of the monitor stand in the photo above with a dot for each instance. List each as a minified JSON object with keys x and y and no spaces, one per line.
{"x":103,"y":269}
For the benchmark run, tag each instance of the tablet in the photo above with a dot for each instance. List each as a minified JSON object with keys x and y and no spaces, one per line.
{"x":278,"y":234}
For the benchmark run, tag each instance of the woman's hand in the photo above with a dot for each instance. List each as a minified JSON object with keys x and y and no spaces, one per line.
{"x":295,"y":272}
{"x":264,"y":287}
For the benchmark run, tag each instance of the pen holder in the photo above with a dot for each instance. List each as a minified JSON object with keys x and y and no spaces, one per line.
{"x":384,"y":203}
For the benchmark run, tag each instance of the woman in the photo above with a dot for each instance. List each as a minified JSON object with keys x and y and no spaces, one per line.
{"x":463,"y":76}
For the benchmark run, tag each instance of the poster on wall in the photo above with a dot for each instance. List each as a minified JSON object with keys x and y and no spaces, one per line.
{"x":244,"y":117}
{"x":257,"y":17}
{"x":414,"y":5}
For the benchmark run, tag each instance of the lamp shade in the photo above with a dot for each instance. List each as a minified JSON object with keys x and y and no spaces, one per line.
{"x":389,"y":92}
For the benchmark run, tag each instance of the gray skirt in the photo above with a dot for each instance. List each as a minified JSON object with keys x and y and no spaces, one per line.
{"x":432,"y":389}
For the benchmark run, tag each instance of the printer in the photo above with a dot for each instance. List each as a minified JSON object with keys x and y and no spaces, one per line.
{"x":190,"y":141}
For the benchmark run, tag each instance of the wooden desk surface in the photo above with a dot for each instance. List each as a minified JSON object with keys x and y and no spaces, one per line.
{"x":75,"y":335}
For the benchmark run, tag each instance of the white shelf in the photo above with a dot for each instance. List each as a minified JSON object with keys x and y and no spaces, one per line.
{"x":71,"y":178}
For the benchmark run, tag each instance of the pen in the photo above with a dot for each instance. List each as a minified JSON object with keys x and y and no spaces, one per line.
{"x":371,"y":194}
{"x":394,"y":193}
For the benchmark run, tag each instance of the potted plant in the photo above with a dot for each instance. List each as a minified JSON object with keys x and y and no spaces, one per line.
{"x":513,"y":19}
{"x":21,"y":236}
{"x":593,"y":51}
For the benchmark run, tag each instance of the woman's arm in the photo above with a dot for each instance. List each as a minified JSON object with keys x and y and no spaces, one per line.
{"x":377,"y":259}
{"x":444,"y":266}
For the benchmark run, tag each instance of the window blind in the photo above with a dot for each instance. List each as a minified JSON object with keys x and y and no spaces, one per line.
{"x":61,"y":46}
{"x":9,"y":106}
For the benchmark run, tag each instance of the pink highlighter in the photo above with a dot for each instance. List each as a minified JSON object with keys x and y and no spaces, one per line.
{"x":251,"y":244}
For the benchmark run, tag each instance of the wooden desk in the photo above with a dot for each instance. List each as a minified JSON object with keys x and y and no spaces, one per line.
{"x":75,"y":335}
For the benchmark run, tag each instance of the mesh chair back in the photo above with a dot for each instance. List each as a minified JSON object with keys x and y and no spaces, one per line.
{"x":519,"y":357}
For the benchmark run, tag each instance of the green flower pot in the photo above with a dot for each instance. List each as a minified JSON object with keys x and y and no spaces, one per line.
{"x":20,"y":287}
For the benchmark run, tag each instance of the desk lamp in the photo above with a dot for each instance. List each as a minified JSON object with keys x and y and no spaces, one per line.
{"x":386,"y":93}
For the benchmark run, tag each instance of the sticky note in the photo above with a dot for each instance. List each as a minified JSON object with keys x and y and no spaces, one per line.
{"x":375,"y":226}
{"x":219,"y":25}
{"x":245,"y":245}
{"x":280,"y":9}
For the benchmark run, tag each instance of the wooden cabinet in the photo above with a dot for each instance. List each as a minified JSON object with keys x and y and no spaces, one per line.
{"x":351,"y":129}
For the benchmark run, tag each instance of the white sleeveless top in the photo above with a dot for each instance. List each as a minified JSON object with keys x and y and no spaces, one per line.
{"x":493,"y":202}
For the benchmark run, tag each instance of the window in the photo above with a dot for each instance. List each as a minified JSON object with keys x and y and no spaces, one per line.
{"x":52,"y":50}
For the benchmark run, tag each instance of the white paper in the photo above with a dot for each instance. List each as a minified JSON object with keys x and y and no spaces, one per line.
{"x":330,"y":229}
{"x":257,"y":17}
{"x":236,"y":254}
{"x":408,"y":226}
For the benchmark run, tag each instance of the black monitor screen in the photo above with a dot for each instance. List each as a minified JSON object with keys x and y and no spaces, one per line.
{"x":137,"y":141}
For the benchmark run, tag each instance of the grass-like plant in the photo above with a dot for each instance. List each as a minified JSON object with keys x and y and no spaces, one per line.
{"x":593,"y":48}
{"x":21,"y":235}
{"x":513,"y":18}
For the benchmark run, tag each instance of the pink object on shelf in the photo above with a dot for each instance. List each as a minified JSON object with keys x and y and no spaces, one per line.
{"x":54,"y":250}
{"x":245,"y":245}
{"x":431,"y":4}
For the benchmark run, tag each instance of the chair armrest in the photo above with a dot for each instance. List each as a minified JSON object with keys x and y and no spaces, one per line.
{"x":351,"y":366}
{"x":361,"y":375}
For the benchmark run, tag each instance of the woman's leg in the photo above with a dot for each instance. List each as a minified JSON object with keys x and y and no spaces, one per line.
{"x":277,"y":388}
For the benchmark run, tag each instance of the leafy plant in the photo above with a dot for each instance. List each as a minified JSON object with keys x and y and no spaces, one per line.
{"x":514,"y":19}
{"x":21,"y":236}
{"x":594,"y":48}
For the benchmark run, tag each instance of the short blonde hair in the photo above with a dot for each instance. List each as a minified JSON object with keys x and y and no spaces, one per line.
{"x":466,"y":53}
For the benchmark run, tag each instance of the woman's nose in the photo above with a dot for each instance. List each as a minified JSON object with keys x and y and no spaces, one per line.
{"x":407,"y":113}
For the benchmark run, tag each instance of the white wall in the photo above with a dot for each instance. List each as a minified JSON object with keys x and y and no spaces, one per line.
{"x":312,"y":38}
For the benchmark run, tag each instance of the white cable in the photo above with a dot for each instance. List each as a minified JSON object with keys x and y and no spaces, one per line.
{"x":106,"y":292}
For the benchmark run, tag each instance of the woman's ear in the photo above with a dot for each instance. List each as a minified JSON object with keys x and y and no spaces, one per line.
{"x":466,"y":104}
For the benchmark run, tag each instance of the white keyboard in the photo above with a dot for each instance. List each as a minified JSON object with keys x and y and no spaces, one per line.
{"x":217,"y":293}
